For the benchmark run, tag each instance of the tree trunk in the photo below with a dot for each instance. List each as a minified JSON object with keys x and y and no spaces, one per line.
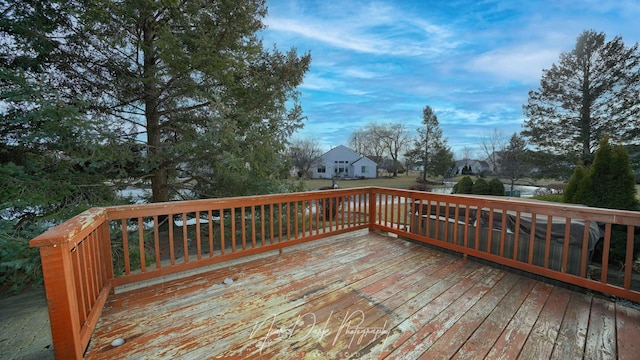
{"x":159,"y":178}
{"x":585,"y":114}
{"x":159,"y":185}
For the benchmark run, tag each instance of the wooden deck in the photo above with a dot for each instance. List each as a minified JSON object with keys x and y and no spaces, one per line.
{"x":362,"y":295}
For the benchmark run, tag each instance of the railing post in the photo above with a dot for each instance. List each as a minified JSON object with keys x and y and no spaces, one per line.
{"x":372,"y":208}
{"x":105,"y":251}
{"x":62,"y":301}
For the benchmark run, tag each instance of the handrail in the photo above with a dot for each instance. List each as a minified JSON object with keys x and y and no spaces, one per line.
{"x":556,"y":241}
{"x":84,"y":258}
{"x":223,"y":229}
{"x":77,"y":269}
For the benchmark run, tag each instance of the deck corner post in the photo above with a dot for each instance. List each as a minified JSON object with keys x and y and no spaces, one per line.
{"x":105,"y":251}
{"x":61,"y":300}
{"x":372,"y":208}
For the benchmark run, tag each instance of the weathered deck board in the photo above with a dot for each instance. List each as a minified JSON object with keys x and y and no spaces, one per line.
{"x":628,"y":333}
{"x":479,"y":344}
{"x":601,"y":336}
{"x":573,"y":331}
{"x":543,"y":336}
{"x":455,"y":337}
{"x":366,"y":296}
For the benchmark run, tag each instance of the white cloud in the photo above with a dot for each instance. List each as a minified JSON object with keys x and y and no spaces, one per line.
{"x":452,"y":114}
{"x":315,"y":82}
{"x":357,"y":72}
{"x":370,"y":28}
{"x":521,"y":63}
{"x":356,"y":92}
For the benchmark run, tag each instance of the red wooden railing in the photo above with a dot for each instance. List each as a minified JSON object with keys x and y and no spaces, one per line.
{"x":84,"y":258}
{"x":453,"y":222}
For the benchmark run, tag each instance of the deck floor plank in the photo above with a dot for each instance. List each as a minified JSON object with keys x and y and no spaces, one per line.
{"x":152,"y":301}
{"x":206,"y":305}
{"x":452,"y":340}
{"x":426,"y":336}
{"x":572,"y":335}
{"x":628,"y":332}
{"x":383,"y":309}
{"x":372,"y":302}
{"x":544,"y":334}
{"x":399,"y":306}
{"x":364,"y":296}
{"x":601,"y":341}
{"x":480,"y":342}
{"x":512,"y":339}
{"x":424,"y":308}
{"x":321,"y":305}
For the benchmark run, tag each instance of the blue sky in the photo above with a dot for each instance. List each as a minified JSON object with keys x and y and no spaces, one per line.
{"x":473,"y":62}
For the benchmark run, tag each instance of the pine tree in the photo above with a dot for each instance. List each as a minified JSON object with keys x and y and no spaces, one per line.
{"x":434,"y":154}
{"x":513,"y":162}
{"x":53,"y":163}
{"x":623,"y":186}
{"x":592,"y":91}
{"x":609,"y":183}
{"x":572,"y":187}
{"x":191,"y":82}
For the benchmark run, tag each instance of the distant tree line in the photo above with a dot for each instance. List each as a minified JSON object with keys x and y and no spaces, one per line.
{"x":394,"y":147}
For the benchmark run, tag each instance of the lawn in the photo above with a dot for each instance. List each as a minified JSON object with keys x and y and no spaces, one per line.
{"x":402,"y":181}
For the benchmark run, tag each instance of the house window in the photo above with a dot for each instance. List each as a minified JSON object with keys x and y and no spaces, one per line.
{"x":341,"y":168}
{"x":364,"y":169}
{"x":322,"y":169}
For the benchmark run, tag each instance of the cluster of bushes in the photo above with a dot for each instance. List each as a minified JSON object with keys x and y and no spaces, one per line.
{"x":608,"y":183}
{"x":466,"y":185}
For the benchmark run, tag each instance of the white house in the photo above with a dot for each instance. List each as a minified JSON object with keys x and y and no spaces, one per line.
{"x":342,"y":162}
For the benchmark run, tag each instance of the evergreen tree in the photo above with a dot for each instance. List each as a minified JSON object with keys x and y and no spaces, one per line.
{"x":594,"y":90}
{"x":513,"y":162}
{"x":442,"y":162}
{"x":97,"y":92}
{"x":192,"y":83}
{"x":433,"y":153}
{"x":52,"y":160}
{"x":609,"y":183}
{"x":572,"y":187}
{"x":623,"y":187}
